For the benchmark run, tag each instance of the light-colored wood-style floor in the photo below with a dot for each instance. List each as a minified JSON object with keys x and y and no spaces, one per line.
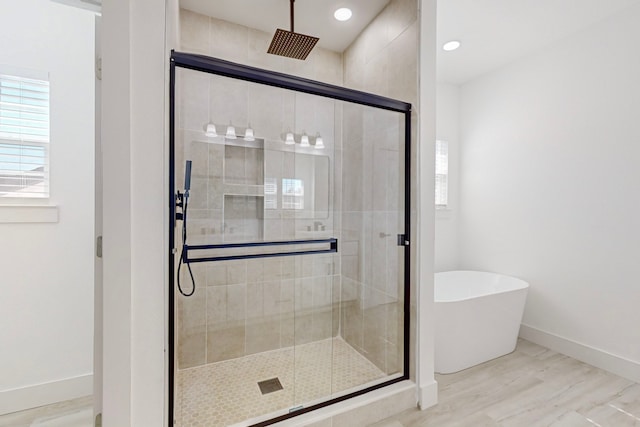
{"x":531,"y":387}
{"x":72,"y":412}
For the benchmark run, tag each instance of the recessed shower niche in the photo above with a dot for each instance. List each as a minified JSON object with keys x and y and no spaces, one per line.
{"x":289,"y":249}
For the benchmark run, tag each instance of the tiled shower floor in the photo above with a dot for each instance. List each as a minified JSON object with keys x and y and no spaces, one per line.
{"x":225,"y":393}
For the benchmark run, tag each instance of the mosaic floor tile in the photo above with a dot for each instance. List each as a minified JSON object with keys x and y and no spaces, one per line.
{"x":225,"y":393}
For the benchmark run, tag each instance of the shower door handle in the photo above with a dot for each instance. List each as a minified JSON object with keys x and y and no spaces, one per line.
{"x":321,"y":246}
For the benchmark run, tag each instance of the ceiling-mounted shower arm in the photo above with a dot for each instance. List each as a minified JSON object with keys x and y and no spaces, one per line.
{"x":289,"y":43}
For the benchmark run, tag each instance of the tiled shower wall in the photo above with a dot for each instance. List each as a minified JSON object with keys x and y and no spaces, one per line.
{"x":382,"y":60}
{"x":245,"y":307}
{"x":248,"y":306}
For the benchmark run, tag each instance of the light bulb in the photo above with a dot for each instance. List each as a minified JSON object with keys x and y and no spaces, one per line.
{"x":452,"y":45}
{"x":211,"y":130}
{"x":319,"y":143}
{"x":289,"y":139}
{"x":248,"y":134}
{"x":304,"y":141}
{"x":343,"y":14}
{"x":231,"y":132}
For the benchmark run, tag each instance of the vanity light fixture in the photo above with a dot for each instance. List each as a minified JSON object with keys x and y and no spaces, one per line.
{"x":231,"y":132}
{"x":289,"y":139}
{"x":304,"y":141}
{"x":248,"y":134}
{"x":343,"y":14}
{"x":319,"y":143}
{"x":451,"y":45}
{"x":211,"y":131}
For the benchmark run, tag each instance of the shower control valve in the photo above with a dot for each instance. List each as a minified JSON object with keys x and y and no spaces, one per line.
{"x":179,"y":201}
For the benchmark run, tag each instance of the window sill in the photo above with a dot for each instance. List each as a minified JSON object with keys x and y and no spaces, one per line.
{"x":17,"y":214}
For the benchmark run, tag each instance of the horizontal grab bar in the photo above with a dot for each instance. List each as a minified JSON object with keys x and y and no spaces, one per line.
{"x":332,"y":242}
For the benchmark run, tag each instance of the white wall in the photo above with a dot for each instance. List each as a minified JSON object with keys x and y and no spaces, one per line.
{"x":134,"y":138}
{"x":46,"y":308}
{"x":447,"y":129}
{"x":550,"y":187}
{"x":428,"y":387}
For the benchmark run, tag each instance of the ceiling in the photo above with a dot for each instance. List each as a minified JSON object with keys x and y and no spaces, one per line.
{"x":496,"y":32}
{"x":493,"y":32}
{"x":312,"y":17}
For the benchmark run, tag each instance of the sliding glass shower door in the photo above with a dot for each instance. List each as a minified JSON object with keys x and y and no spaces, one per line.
{"x":288,"y":249}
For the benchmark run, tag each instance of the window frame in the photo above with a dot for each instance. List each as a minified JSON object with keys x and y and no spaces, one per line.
{"x":21,"y":140}
{"x":439,"y":143}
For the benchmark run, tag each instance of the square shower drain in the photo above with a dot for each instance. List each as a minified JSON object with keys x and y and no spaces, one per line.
{"x":269,"y":386}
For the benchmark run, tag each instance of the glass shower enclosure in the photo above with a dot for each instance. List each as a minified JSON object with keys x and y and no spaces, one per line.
{"x":289,"y":217}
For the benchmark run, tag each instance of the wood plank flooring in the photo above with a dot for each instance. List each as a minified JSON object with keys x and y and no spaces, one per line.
{"x":50,"y":414}
{"x":531,"y":387}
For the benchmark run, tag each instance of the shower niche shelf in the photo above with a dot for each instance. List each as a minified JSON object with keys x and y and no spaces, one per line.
{"x":243,"y":165}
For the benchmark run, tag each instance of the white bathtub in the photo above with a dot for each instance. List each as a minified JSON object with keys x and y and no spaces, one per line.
{"x":477,"y":317}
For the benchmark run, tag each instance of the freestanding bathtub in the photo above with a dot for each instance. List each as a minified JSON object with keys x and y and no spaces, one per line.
{"x":477,"y":317}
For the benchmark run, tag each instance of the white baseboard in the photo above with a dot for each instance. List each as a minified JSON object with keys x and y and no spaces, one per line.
{"x":593,"y":356}
{"x":19,"y":399}
{"x":428,"y":396}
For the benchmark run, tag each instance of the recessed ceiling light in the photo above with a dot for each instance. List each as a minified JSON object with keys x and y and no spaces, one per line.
{"x":343,"y":14}
{"x":452,"y":45}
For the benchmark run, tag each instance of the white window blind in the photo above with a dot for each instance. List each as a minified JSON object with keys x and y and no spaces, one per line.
{"x":24,"y":136}
{"x":442,"y":173}
{"x":292,"y":193}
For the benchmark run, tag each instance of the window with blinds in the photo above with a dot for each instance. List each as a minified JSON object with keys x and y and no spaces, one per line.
{"x":24,"y":136}
{"x":442,"y":174}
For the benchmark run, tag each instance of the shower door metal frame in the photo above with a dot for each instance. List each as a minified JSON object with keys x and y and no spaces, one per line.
{"x":285,"y":81}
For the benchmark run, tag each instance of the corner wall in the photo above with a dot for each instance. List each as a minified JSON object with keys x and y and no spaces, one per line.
{"x":550,"y":189}
{"x":395,"y":57}
{"x":46,"y":310}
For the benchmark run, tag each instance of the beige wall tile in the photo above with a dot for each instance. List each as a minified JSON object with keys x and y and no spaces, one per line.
{"x":216,"y":274}
{"x":255,"y":300}
{"x":303,"y":328}
{"x":403,"y":13}
{"x":237,"y":302}
{"x":402,"y":76}
{"x":255,"y":270}
{"x":192,"y":348}
{"x":229,"y":41}
{"x":271,"y":298}
{"x":216,"y":305}
{"x":194,"y":102}
{"x":226,"y":342}
{"x":192,"y":310}
{"x":228,"y":102}
{"x":262,"y":335}
{"x":194,"y":32}
{"x":259,"y":42}
{"x":265,"y":111}
{"x":328,"y":67}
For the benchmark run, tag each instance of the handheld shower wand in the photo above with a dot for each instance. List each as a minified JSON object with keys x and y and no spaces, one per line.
{"x":182,"y":201}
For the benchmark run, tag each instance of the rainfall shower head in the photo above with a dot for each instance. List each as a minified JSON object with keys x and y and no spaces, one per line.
{"x":292,"y":44}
